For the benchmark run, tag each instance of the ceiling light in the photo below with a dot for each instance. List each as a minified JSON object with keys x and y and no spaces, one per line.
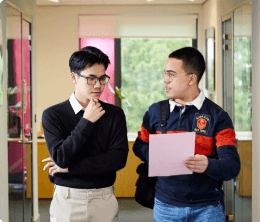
{"x":54,"y":1}
{"x":191,"y":0}
{"x":149,"y":0}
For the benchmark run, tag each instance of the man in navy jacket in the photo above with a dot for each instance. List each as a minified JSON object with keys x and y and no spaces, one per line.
{"x":195,"y":197}
{"x":87,"y":141}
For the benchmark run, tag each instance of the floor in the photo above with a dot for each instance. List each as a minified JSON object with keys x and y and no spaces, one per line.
{"x":129,"y":210}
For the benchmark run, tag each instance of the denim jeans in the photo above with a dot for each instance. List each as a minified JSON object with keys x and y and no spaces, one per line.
{"x":168,"y":213}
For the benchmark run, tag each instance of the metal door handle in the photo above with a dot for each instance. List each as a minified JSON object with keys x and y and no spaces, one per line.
{"x":26,"y":142}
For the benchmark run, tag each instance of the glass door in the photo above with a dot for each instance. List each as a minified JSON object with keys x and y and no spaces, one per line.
{"x":227,"y":52}
{"x":27,"y":114}
{"x":19,"y":115}
{"x":237,"y":88}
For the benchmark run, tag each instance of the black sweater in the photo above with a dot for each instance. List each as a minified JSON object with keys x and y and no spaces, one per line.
{"x":92,"y":152}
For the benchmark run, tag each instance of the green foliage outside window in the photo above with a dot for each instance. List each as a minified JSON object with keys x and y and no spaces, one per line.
{"x":242,"y":84}
{"x":143,"y":61}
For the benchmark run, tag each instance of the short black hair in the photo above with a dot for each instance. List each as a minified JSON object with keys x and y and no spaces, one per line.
{"x":193,"y":60}
{"x":87,"y":57}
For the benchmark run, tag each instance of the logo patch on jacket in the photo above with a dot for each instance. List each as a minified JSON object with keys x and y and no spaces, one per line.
{"x":201,"y":123}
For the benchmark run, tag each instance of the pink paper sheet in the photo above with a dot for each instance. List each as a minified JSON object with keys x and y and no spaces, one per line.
{"x":167,"y":153}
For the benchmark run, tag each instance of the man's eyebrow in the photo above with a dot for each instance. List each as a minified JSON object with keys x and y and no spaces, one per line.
{"x":92,"y":75}
{"x":170,"y":71}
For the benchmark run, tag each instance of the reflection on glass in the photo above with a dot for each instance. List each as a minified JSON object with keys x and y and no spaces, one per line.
{"x":143,"y":61}
{"x":15,"y":149}
{"x":26,"y":89}
{"x":19,"y":115}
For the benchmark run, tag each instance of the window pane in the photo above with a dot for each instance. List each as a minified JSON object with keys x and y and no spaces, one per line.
{"x":242,"y":84}
{"x":143,"y":61}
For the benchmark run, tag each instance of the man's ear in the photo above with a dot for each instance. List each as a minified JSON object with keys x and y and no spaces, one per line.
{"x":193,"y":79}
{"x":73,"y":77}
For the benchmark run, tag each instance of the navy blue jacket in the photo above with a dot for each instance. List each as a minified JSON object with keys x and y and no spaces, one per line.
{"x":215,"y":138}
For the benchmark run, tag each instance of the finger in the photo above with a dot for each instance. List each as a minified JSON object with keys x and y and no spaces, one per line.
{"x":47,"y":159}
{"x":54,"y":171}
{"x":92,"y":102}
{"x":95,"y":101}
{"x":98,"y":105}
{"x":191,"y":162}
{"x":52,"y":168}
{"x":196,"y":163}
{"x":196,"y":168}
{"x":48,"y":165}
{"x":58,"y":170}
{"x":193,"y":169}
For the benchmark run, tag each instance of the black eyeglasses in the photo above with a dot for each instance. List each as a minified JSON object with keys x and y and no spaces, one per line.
{"x":91,"y":80}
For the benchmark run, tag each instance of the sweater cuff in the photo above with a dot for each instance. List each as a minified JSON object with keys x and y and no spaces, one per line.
{"x":213,"y":168}
{"x":85,"y":126}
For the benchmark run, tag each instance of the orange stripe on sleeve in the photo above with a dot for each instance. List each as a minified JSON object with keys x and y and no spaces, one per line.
{"x":225,"y":137}
{"x":143,"y":134}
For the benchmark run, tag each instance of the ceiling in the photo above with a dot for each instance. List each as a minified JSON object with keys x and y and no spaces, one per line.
{"x":116,"y":2}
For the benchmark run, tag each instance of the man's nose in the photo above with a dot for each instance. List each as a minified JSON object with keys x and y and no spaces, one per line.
{"x":97,"y":84}
{"x":166,"y":79}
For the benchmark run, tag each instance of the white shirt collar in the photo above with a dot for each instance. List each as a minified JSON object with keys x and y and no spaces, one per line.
{"x":75,"y":104}
{"x":197,"y":102}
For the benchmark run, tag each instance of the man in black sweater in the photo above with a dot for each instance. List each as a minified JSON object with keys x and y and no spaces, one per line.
{"x":87,"y":142}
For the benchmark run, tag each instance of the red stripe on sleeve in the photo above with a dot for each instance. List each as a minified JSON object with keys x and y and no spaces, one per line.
{"x":225,"y":137}
{"x":143,"y":134}
{"x":204,"y":145}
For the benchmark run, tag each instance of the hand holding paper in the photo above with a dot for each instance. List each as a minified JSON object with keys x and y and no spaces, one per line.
{"x":197,"y":163}
{"x":168,"y":152}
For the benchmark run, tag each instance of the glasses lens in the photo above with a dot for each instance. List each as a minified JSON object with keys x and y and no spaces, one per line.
{"x":91,"y":80}
{"x":104,"y":80}
{"x":163,"y":74}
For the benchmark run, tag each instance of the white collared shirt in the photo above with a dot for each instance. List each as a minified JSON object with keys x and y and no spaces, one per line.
{"x":75,"y":104}
{"x":197,"y":102}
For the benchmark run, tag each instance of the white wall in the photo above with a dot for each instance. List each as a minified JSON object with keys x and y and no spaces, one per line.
{"x":226,"y":6}
{"x":212,"y":18}
{"x":57,"y":39}
{"x":26,"y":6}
